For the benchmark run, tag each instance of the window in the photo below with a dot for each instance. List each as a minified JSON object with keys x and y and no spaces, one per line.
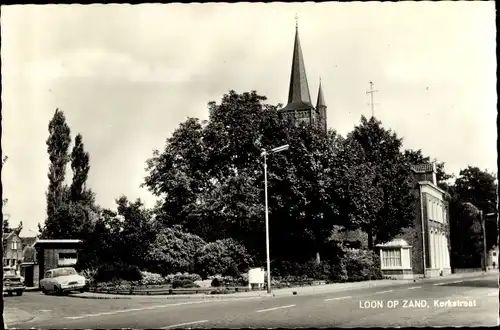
{"x":67,"y":259}
{"x":391,"y":258}
{"x":13,"y":245}
{"x":494,"y":254}
{"x":64,"y":272}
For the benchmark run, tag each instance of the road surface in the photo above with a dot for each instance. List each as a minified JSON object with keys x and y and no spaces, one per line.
{"x":416,"y":304}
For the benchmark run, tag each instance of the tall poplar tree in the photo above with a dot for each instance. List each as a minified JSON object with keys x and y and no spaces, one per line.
{"x":80,"y":164}
{"x":58,"y":144}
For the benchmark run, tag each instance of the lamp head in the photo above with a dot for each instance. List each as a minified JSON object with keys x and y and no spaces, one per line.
{"x":281,"y":148}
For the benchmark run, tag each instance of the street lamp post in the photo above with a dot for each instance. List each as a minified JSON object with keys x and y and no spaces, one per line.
{"x":264,"y":154}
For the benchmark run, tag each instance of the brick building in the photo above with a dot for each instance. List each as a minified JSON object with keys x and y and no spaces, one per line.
{"x":12,"y":250}
{"x":428,"y":239}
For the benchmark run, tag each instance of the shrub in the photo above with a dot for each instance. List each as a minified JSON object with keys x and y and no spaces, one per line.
{"x":114,"y":272}
{"x":89,"y":275}
{"x":173,"y":249}
{"x":338,"y":272}
{"x":182,"y":276}
{"x":226,"y":257}
{"x":152,"y":279}
{"x":184,"y":284}
{"x":361,"y":265}
{"x":219,"y":280}
{"x":215,"y":282}
{"x":220,"y":291}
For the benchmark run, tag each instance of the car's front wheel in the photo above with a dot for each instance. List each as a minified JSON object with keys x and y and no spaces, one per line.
{"x":19,"y":293}
{"x":57,"y":290}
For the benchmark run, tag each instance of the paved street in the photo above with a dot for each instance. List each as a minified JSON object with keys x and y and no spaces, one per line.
{"x":349,"y":308}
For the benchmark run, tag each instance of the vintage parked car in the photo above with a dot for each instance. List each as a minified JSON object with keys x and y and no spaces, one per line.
{"x":61,"y":280}
{"x":12,"y":282}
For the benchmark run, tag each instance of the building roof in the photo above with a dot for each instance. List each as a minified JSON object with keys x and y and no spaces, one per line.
{"x":57,"y":241}
{"x":8,"y":235}
{"x":423,"y":168}
{"x":297,"y":106}
{"x":398,"y":242}
{"x":299,"y":88}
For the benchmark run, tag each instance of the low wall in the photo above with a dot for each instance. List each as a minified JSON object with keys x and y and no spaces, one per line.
{"x":466,"y":270}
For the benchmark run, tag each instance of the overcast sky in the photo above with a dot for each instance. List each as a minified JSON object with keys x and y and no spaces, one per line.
{"x":126,"y":76}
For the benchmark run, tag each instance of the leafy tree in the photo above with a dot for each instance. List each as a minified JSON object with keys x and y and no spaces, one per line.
{"x":465,"y":236}
{"x":6,"y":225}
{"x":203,"y":162}
{"x":477,"y":187}
{"x":138,"y":231}
{"x":480,"y":189}
{"x":210,"y":179}
{"x":101,"y":242}
{"x":19,"y":228}
{"x":175,"y":175}
{"x":8,"y":229}
{"x":173,"y":250}
{"x":392,"y":176}
{"x":65,"y":222}
{"x":58,"y":144}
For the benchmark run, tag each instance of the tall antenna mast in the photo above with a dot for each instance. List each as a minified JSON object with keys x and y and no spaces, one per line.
{"x":371,"y":91}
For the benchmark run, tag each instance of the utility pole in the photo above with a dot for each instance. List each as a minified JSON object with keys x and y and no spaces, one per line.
{"x":371,"y":91}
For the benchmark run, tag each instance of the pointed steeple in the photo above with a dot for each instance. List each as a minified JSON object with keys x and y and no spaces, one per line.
{"x":321,"y":108}
{"x":321,"y":100}
{"x":298,"y":95}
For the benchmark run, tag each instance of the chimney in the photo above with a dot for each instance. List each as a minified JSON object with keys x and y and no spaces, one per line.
{"x":425,"y":172}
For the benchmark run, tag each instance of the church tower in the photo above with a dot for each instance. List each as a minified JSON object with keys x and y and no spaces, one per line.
{"x":299,"y":107}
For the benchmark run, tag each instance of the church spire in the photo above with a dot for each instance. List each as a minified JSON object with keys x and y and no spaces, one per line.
{"x":321,"y":100}
{"x":321,"y":108}
{"x":298,"y":95}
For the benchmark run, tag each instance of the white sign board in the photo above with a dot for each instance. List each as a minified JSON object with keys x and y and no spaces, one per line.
{"x":256,"y":276}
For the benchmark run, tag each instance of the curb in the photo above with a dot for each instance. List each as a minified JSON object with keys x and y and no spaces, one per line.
{"x":170,"y":297}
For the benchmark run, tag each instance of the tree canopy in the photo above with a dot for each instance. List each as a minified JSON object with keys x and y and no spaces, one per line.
{"x":209,"y":179}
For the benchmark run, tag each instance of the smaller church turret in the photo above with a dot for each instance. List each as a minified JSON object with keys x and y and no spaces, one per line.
{"x":321,"y":108}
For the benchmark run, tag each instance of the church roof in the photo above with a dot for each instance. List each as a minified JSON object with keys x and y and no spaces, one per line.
{"x":321,"y":99}
{"x":298,"y":106}
{"x":298,"y":95}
